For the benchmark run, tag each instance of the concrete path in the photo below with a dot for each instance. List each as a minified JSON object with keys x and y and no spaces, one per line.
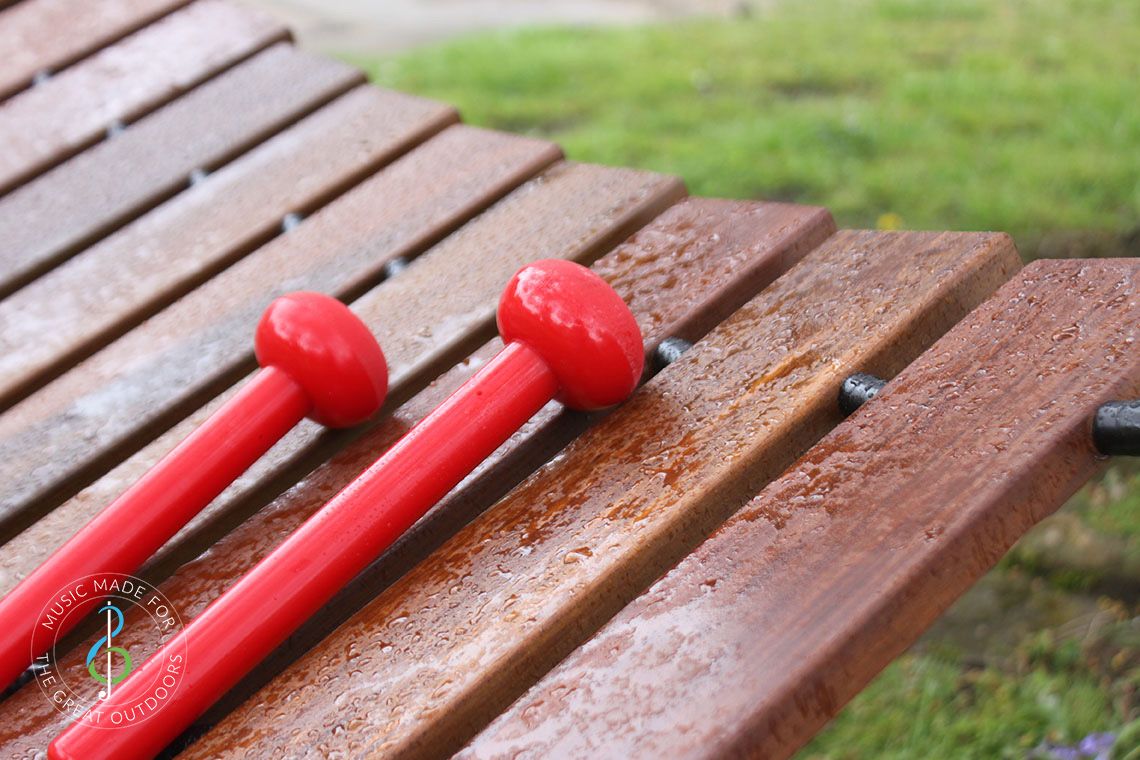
{"x":386,"y":26}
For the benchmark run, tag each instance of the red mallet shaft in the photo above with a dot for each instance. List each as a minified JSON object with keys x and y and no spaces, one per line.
{"x":569,"y":336}
{"x":318,"y":360}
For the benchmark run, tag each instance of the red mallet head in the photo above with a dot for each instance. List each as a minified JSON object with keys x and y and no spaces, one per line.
{"x":329,"y":352}
{"x":580,"y":327}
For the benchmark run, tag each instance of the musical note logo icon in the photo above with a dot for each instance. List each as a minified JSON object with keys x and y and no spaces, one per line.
{"x":79,"y":682}
{"x":109,"y":680}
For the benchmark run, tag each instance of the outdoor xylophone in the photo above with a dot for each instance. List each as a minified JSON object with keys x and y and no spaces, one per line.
{"x":711,"y":569}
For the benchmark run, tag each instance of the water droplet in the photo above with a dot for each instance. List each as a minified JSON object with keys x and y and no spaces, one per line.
{"x":577,"y":555}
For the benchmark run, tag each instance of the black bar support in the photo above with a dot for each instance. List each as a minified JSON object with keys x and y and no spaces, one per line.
{"x":1116,"y":428}
{"x":857,"y":390}
{"x":667,"y":352}
{"x":395,"y":266}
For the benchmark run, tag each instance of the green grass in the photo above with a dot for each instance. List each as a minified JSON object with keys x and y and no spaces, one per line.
{"x":1014,"y":115}
{"x":1017,"y":115}
{"x":955,"y":713}
{"x":1111,"y":504}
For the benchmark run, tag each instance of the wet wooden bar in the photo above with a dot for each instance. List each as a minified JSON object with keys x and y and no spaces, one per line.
{"x":759,"y":637}
{"x":46,"y":124}
{"x":42,"y":36}
{"x":677,"y":274}
{"x":56,"y":321}
{"x":192,"y":350}
{"x":57,"y":214}
{"x":437,"y":655}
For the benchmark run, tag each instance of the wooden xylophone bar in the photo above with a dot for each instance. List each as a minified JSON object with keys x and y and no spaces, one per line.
{"x":165,"y":254}
{"x":46,"y":36}
{"x":99,"y":190}
{"x":49,"y":123}
{"x":136,"y":267}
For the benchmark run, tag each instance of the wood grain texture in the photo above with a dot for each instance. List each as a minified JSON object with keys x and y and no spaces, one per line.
{"x":70,"y":430}
{"x":754,"y":641}
{"x":441,"y":652}
{"x":46,"y":35}
{"x":46,"y":124}
{"x":593,"y":204}
{"x":54,"y":216}
{"x":59,"y":318}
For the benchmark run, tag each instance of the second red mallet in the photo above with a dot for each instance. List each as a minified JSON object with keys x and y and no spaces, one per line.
{"x":568,"y":336}
{"x":318,"y":360}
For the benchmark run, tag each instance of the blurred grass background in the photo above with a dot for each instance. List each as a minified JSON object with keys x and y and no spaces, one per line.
{"x":1014,"y":115}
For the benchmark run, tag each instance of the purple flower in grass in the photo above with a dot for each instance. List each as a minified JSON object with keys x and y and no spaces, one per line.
{"x":1096,"y":746}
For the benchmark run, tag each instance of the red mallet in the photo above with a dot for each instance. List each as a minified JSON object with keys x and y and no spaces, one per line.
{"x":568,"y":336}
{"x":318,"y":360}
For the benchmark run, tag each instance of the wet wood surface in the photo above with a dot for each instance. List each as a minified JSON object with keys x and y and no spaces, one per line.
{"x":58,"y":319}
{"x":723,"y":251}
{"x":724,"y":262}
{"x":759,"y":637}
{"x":441,"y":652}
{"x":42,"y":36}
{"x":132,"y":390}
{"x":50,"y":122}
{"x":680,"y":276}
{"x":670,"y":273}
{"x":51,"y":218}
